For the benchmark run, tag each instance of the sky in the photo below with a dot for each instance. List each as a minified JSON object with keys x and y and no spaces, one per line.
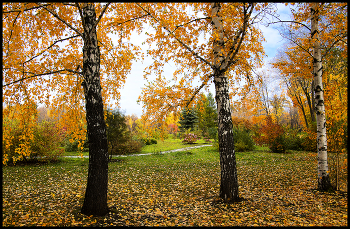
{"x":135,"y":81}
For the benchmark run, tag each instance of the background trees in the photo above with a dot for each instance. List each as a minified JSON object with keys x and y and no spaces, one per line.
{"x":119,"y":137}
{"x":207,"y":116}
{"x":188,"y":119}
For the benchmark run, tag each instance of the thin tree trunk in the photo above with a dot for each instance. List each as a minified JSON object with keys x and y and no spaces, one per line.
{"x":95,"y":202}
{"x":309,"y":102}
{"x":323,"y":173}
{"x":229,"y":181}
{"x":303,"y":110}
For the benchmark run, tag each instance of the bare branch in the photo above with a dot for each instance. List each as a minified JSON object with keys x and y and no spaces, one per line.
{"x":280,"y":21}
{"x":274,"y":22}
{"x":132,"y":19}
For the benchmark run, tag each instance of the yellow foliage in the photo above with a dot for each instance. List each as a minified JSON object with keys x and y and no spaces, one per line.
{"x":43,"y":62}
{"x":183,"y":36}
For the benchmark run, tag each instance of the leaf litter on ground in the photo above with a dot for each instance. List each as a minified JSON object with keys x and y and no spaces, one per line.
{"x":175,"y":189}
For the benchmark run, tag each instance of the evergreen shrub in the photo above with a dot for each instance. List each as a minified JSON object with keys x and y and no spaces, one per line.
{"x":243,"y":139}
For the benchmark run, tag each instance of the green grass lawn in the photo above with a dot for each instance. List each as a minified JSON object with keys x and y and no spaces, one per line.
{"x":175,"y":189}
{"x":161,"y":146}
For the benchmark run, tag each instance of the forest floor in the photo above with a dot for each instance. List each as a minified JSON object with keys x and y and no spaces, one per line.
{"x":175,"y":189}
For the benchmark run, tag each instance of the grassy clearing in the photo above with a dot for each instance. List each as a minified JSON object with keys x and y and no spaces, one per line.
{"x":175,"y":189}
{"x":167,"y":144}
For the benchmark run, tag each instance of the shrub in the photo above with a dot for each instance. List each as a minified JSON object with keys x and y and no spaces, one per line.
{"x":240,"y":146}
{"x":190,"y":138}
{"x":243,"y":139}
{"x":73,"y":146}
{"x":293,"y":139}
{"x":213,"y":132}
{"x":46,"y":143}
{"x":310,"y":143}
{"x":132,"y":146}
{"x":39,"y":142}
{"x":149,"y":141}
{"x":277,"y":144}
{"x":13,"y":143}
{"x":271,"y":134}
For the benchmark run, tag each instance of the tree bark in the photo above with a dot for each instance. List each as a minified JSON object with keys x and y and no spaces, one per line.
{"x":95,"y":202}
{"x":323,"y":173}
{"x":229,"y":181}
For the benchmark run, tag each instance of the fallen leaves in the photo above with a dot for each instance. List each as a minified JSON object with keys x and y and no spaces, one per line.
{"x":175,"y":189}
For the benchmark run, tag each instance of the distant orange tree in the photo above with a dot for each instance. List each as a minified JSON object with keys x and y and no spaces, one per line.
{"x":271,"y":134}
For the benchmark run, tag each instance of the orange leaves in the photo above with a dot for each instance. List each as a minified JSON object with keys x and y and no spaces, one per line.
{"x":175,"y":189}
{"x":18,"y":128}
{"x":42,"y":56}
{"x":271,"y":134}
{"x":186,"y":38}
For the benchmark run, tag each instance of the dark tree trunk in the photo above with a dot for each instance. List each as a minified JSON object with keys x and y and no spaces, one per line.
{"x":229,"y":181}
{"x":95,"y":202}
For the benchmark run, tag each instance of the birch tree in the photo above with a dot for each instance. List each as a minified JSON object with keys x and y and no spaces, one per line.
{"x":43,"y":63}
{"x":328,"y":30}
{"x":234,"y":45}
{"x":323,"y":172}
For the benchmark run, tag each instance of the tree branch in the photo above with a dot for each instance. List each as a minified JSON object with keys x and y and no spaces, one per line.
{"x":197,"y":19}
{"x":132,"y":19}
{"x":67,"y":38}
{"x":298,"y":45}
{"x":103,"y":11}
{"x":42,"y":74}
{"x":233,"y":52}
{"x":335,"y":42}
{"x":32,"y":8}
{"x":183,"y":44}
{"x":288,"y":22}
{"x":13,"y":24}
{"x":59,"y":18}
{"x":81,"y":15}
{"x":198,"y":89}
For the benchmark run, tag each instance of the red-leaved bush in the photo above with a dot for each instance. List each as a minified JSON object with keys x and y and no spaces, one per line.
{"x":271,"y":134}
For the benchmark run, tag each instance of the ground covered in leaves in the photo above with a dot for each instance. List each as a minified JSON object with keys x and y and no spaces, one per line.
{"x":175,"y":189}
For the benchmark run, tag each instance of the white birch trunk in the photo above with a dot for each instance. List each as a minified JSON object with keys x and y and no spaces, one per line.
{"x":323,"y":173}
{"x":229,"y":181}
